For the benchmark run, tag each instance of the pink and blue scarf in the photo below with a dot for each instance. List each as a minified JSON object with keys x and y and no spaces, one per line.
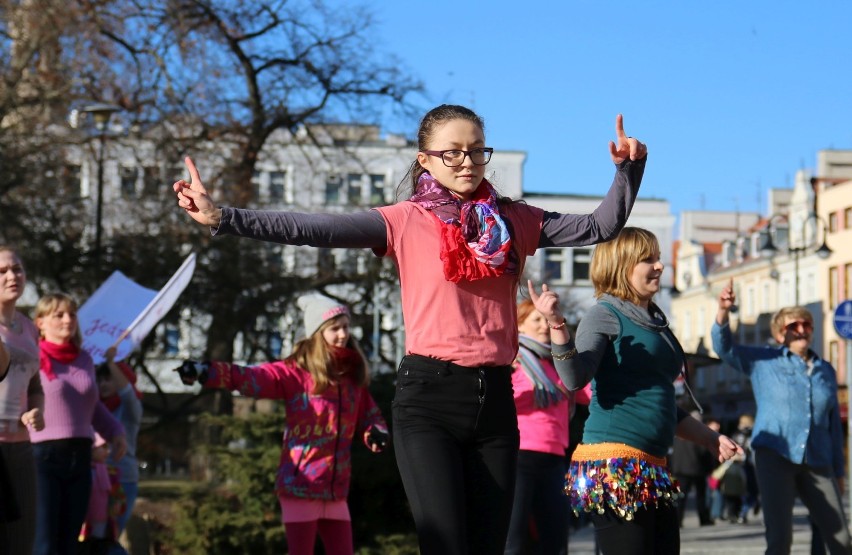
{"x":475,"y":240}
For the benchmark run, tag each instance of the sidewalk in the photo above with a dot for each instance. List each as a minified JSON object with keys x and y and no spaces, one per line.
{"x":723,"y":538}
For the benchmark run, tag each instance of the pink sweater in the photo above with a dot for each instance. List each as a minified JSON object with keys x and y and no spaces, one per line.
{"x":72,"y":405}
{"x":542,"y":429}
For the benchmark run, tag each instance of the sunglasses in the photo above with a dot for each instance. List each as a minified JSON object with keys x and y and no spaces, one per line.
{"x":802,"y":325}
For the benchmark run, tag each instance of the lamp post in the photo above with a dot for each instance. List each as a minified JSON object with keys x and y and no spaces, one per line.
{"x":823,"y":251}
{"x":101,"y":114}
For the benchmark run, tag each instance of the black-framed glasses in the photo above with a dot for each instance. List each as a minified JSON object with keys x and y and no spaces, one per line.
{"x":454,"y":158}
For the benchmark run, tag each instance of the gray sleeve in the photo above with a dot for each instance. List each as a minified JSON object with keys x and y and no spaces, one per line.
{"x":573,"y":230}
{"x":353,"y":230}
{"x":595,"y":332}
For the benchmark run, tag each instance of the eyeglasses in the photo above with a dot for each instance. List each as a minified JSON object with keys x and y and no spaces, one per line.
{"x":455,"y":158}
{"x":804,"y":325}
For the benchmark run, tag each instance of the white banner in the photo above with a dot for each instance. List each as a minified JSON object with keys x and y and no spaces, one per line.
{"x":122,"y":309}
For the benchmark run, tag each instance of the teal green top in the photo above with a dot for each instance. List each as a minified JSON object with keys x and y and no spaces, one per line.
{"x":633,"y":399}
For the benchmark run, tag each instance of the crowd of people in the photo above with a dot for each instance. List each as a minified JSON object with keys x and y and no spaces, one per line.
{"x":504,"y":422}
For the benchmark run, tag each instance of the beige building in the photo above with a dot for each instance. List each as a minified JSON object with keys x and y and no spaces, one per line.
{"x":802,"y":221}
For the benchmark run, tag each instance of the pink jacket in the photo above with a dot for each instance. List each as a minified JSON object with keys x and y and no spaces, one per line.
{"x":316,"y":458}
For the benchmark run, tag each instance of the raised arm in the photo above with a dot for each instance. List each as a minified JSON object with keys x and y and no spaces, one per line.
{"x":595,"y":332}
{"x":565,"y":230}
{"x":358,"y":230}
{"x":118,"y":377}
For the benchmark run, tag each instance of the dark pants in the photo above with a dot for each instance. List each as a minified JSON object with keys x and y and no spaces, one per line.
{"x":538,"y":493}
{"x":653,"y":531}
{"x":64,"y":482}
{"x":455,"y":434}
{"x":780,"y":480}
{"x":686,"y":484}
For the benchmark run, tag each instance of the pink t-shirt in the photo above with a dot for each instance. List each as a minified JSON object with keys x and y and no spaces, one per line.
{"x":544,"y":430}
{"x":468,"y":323}
{"x":22,"y":382}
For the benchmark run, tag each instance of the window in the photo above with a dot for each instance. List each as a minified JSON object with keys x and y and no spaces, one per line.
{"x":833,"y":286}
{"x":353,"y":182}
{"x":256,"y":180}
{"x":582,"y":263}
{"x":567,"y":265}
{"x":377,"y":189}
{"x":172,"y":339}
{"x":151,"y":181}
{"x":277,"y":182}
{"x":554,"y":262}
{"x":333,"y":185}
{"x":847,"y":291}
{"x":128,"y":176}
{"x":832,"y":222}
{"x":847,"y":218}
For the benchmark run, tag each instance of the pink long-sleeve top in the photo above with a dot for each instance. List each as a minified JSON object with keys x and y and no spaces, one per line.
{"x":542,"y":429}
{"x":72,"y":406}
{"x":316,"y":460}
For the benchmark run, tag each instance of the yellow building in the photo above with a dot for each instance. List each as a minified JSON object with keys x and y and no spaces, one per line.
{"x":801,"y":253}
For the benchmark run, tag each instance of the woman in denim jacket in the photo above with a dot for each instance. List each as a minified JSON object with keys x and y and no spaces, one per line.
{"x":797,"y":437}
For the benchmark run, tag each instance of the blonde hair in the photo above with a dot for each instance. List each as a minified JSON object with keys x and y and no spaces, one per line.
{"x":49,"y":304}
{"x":798,"y":312}
{"x":314,"y":355}
{"x":613,"y":262}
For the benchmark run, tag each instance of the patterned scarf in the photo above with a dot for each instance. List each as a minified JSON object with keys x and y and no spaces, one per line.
{"x":48,"y":352}
{"x":475,"y":240}
{"x":546,"y":391}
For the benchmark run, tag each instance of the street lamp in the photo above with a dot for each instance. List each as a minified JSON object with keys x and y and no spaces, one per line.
{"x":101,"y":114}
{"x":768,"y":247}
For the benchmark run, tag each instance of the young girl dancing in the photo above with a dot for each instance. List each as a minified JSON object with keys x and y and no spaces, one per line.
{"x":459,"y":249}
{"x":324,"y":387}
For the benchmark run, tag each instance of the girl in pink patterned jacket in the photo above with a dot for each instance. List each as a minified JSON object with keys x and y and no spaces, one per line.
{"x":324,"y":386}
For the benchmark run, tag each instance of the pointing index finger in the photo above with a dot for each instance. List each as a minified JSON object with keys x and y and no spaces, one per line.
{"x":533,"y":295}
{"x":193,"y":172}
{"x":619,"y":127}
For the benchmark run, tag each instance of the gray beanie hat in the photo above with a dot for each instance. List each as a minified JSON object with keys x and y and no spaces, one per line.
{"x":318,"y":309}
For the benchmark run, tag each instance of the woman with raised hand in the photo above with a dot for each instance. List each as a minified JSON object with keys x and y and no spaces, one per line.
{"x":543,"y":404}
{"x":798,"y":450}
{"x":460,"y":249}
{"x":619,"y":473}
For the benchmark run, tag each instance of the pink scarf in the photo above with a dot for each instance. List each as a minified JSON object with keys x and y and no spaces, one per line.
{"x":475,"y":240}
{"x":48,"y":352}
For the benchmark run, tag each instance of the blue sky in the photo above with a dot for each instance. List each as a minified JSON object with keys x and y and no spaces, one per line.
{"x":732,"y":98}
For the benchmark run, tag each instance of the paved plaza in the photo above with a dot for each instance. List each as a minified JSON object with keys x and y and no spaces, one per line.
{"x":739,"y":539}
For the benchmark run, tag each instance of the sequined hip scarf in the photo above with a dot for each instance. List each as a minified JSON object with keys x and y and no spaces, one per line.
{"x":619,"y":477}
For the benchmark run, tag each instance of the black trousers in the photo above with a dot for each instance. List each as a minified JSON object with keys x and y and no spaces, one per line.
{"x":653,"y":531}
{"x":456,"y":439}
